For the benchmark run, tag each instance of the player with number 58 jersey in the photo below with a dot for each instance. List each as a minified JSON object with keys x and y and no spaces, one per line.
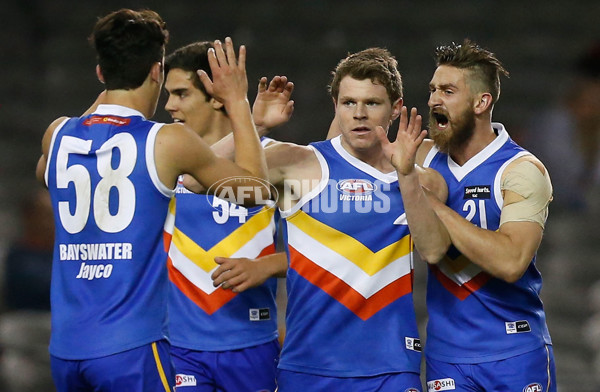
{"x":110,"y":175}
{"x":108,"y":278}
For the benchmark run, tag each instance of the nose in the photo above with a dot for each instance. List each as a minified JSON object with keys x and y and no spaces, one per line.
{"x":170,"y":105}
{"x":434,"y":99}
{"x":360,"y":112}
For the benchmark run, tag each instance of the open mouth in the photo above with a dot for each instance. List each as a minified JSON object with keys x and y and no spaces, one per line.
{"x":361,"y":129}
{"x":441,"y":120}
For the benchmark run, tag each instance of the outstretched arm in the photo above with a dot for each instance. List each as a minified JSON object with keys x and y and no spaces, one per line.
{"x":239,"y":274}
{"x":428,"y":232}
{"x":230,"y":86}
{"x":272,"y":108}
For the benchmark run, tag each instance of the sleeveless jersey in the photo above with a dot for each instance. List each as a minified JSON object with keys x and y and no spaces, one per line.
{"x":109,"y":281}
{"x":207,"y":318}
{"x":350,"y":311}
{"x":474,"y":317}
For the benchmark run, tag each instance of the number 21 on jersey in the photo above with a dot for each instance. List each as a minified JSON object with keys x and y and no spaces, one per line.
{"x":471,"y":207}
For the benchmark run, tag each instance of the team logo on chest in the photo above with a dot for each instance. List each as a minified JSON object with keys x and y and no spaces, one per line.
{"x":477,"y":192}
{"x":356,"y":189}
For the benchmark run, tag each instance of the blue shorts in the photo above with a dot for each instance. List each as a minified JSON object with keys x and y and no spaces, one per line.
{"x":144,"y":369}
{"x":288,"y":381}
{"x":530,"y":372}
{"x":249,"y":369}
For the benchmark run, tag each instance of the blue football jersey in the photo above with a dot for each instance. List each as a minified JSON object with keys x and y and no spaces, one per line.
{"x":350,"y":311}
{"x":109,"y":280}
{"x":474,"y":317}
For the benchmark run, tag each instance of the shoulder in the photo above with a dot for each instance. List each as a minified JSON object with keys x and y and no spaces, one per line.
{"x":522,"y":161}
{"x":288,"y":153}
{"x":47,"y":138}
{"x":424,"y":150}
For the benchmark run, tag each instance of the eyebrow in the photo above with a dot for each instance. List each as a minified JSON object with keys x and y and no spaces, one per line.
{"x":372,"y":98}
{"x":444,"y":86}
{"x":177,"y":91}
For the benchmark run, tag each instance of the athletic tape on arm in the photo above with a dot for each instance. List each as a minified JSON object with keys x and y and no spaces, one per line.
{"x":526,"y":180}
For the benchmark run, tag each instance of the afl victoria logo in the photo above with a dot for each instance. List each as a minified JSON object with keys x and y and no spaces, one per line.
{"x":356,"y":187}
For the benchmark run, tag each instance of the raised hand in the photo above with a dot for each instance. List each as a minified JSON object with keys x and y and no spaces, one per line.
{"x":403,"y":151}
{"x":229,"y":82}
{"x":273,"y":105}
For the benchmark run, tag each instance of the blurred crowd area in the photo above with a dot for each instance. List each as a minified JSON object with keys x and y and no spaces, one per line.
{"x":549,"y":104}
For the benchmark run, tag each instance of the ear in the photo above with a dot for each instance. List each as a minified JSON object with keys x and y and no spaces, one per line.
{"x":99,"y":74}
{"x":334,"y":104}
{"x":396,"y":108}
{"x":216,"y":105}
{"x":156,"y":72}
{"x":483,"y":103}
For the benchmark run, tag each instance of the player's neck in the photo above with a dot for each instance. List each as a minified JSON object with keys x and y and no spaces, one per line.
{"x":372,"y":156}
{"x":216,"y":129}
{"x":482,"y":136}
{"x":136,"y":99}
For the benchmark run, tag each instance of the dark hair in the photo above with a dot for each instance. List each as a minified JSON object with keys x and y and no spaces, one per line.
{"x":376,"y":64}
{"x":191,"y":58}
{"x":483,"y":65}
{"x":127,"y":44}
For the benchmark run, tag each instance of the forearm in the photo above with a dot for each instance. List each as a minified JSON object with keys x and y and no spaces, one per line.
{"x":249,"y":153}
{"x":496,"y":252}
{"x":427,"y":230}
{"x":275,"y":265}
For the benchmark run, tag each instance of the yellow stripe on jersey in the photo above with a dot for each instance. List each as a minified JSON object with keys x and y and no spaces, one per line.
{"x":159,"y":367}
{"x":350,"y":247}
{"x":227,"y":246}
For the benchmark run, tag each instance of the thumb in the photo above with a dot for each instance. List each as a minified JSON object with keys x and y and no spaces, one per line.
{"x":382,"y":135}
{"x":205,"y":79}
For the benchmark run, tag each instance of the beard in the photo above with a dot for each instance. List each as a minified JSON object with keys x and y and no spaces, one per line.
{"x":457,"y":133}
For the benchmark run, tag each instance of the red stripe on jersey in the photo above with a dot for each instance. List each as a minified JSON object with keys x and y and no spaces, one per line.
{"x":344,"y":293}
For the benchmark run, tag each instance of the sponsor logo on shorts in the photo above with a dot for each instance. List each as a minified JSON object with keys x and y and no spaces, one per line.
{"x":185,"y":380}
{"x":413,"y":344}
{"x":444,"y":384}
{"x":533,"y":387}
{"x":517,"y":327}
{"x":260,"y":314}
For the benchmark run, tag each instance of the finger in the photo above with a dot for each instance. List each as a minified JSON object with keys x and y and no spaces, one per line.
{"x":381,"y":135}
{"x":220,"y":54}
{"x":241,"y":287}
{"x":289,"y":108}
{"x":281,"y":84}
{"x":242,"y":58}
{"x":205,"y":79}
{"x":421,"y":136}
{"x":417,"y":124}
{"x":234,"y":281}
{"x":403,"y":123}
{"x":262,"y":85}
{"x":230,"y":52}
{"x":225,"y":275}
{"x":289,"y":89}
{"x":413,"y":126}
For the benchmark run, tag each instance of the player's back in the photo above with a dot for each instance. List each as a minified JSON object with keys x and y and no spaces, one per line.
{"x":109,"y":280}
